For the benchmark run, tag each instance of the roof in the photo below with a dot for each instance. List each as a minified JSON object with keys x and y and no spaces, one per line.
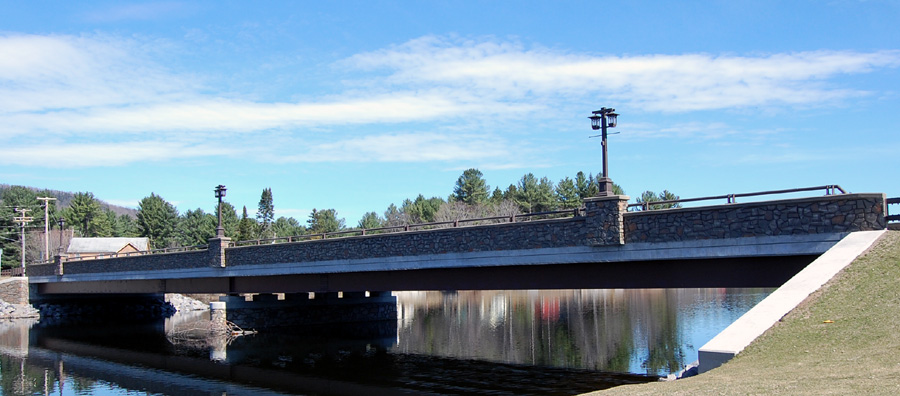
{"x":106,"y":245}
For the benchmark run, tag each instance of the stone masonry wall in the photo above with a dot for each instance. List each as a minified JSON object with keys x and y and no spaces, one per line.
{"x":192,"y":259}
{"x":593,"y":228}
{"x":14,"y":290}
{"x":828,"y":214}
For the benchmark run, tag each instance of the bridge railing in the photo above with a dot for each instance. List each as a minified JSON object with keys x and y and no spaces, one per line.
{"x":830,"y":189}
{"x":888,"y":203}
{"x":178,"y":249}
{"x":14,"y":271}
{"x":414,"y":227}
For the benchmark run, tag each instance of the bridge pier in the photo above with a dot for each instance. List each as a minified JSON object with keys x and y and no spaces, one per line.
{"x":353,"y":310}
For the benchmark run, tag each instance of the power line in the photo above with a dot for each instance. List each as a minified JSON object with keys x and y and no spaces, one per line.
{"x":22,"y":220}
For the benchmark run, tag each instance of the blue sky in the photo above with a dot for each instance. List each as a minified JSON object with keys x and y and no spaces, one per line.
{"x":357,"y":105}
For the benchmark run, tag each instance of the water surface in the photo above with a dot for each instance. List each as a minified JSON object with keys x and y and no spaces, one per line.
{"x":466,"y":342}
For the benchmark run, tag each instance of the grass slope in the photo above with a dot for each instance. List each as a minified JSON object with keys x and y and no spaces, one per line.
{"x":858,"y":354}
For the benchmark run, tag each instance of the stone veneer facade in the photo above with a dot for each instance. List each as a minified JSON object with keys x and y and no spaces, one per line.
{"x":14,"y":290}
{"x":819,"y":215}
{"x":603,"y":222}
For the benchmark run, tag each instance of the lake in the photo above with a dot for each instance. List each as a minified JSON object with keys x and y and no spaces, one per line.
{"x":548,"y":342}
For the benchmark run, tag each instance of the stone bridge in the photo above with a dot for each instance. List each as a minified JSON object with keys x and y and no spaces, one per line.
{"x":603,"y":246}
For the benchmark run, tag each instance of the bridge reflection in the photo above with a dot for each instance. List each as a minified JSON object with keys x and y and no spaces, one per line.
{"x":139,"y":356}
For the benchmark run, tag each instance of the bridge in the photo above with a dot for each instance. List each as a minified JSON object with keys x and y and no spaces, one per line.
{"x":600,"y":245}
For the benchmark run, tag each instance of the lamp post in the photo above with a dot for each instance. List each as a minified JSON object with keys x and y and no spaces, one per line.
{"x":602,"y":119}
{"x":220,"y":193}
{"x":62,"y":229}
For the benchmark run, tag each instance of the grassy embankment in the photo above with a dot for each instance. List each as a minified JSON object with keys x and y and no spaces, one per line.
{"x":857,"y":354}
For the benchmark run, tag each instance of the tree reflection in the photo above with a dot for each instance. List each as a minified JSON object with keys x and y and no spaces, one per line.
{"x":607,"y":330}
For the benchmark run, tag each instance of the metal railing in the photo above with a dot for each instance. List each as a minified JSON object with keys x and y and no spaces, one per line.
{"x":413,"y":227}
{"x":179,"y":249}
{"x":732,"y":198}
{"x":888,"y":202}
{"x":15,"y":271}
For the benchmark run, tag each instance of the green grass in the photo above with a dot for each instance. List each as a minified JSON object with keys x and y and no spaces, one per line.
{"x":858,"y":354}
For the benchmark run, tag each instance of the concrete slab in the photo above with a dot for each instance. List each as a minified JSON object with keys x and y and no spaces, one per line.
{"x":764,"y":315}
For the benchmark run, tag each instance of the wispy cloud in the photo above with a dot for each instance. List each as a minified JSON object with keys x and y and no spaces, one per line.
{"x":669,"y":83}
{"x":418,"y":147}
{"x":99,"y":93}
{"x":108,"y":154}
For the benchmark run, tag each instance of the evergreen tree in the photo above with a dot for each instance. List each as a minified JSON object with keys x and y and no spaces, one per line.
{"x":470,"y":188}
{"x":650,"y":197}
{"x":287,"y":226}
{"x":246,"y":227}
{"x":324,"y":221}
{"x":535,"y":195}
{"x":126,"y":226}
{"x":196,"y":228}
{"x":265,"y":214}
{"x":510,"y":193}
{"x":85,"y":215}
{"x":496,"y":196}
{"x":371,"y":220}
{"x":583,"y":185}
{"x":157,"y":220}
{"x":230,"y":220}
{"x":567,"y":194}
{"x":421,"y":210}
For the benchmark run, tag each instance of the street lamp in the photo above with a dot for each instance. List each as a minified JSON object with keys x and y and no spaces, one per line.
{"x":602,"y":119}
{"x":220,"y":193}
{"x":62,"y":228}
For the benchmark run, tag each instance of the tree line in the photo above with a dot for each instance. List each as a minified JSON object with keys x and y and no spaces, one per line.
{"x":160,"y":221}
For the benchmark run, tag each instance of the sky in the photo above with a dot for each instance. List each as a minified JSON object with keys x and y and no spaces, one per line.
{"x":357,"y":105}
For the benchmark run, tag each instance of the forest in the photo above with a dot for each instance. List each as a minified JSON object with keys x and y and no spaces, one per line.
{"x":157,"y":219}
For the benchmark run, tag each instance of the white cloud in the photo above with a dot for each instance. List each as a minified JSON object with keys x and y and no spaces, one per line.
{"x":106,"y":154}
{"x":669,"y":83}
{"x":100,"y":93}
{"x":419,"y":147}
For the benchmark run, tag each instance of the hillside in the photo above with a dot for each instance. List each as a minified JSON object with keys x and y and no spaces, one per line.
{"x":64,"y":198}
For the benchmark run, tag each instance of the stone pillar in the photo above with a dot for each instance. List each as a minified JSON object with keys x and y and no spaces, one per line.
{"x":218,"y":320}
{"x":216,"y":251}
{"x":59,"y":260}
{"x":605,"y":218}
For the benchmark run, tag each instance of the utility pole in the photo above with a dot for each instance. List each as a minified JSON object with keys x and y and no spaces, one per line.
{"x":22,"y":220}
{"x":46,"y":201}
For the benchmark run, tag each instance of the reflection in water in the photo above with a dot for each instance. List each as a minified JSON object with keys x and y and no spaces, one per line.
{"x":652,"y":331}
{"x":490,"y":342}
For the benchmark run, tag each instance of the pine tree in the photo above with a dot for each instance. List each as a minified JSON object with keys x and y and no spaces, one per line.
{"x":196,"y":228}
{"x":85,"y":215}
{"x":535,"y":195}
{"x":371,"y":220}
{"x":470,"y":188}
{"x":246,"y":227}
{"x":287,"y":226}
{"x":157,"y":220}
{"x":567,"y":194}
{"x":265,"y":214}
{"x":324,"y":221}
